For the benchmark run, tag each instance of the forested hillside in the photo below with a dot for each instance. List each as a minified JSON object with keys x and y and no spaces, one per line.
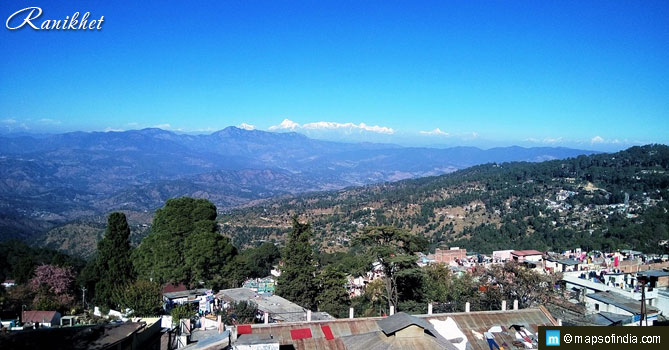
{"x":605,"y":201}
{"x":48,"y":181}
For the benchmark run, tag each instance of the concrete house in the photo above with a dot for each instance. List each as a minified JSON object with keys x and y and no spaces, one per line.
{"x":532,"y":256}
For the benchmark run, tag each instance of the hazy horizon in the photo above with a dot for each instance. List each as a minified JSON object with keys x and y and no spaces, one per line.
{"x":582,"y":75}
{"x":397,"y":139}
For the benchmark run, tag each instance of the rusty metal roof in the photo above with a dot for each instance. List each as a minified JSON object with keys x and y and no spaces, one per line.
{"x":469,"y":323}
{"x":479,"y":322}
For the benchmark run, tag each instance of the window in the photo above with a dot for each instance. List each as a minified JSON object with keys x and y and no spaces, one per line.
{"x":596,"y":307}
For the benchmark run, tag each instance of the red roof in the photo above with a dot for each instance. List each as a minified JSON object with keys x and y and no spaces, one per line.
{"x":526,"y":252}
{"x":39,"y":316}
{"x":171,"y":288}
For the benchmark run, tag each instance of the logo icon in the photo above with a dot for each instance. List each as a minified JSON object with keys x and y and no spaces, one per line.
{"x":553,"y":337}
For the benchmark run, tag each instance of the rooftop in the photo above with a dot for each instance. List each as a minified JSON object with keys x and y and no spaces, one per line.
{"x":655,"y":273}
{"x":279,"y":308}
{"x":526,"y":252}
{"x":568,"y":261}
{"x":400,"y":321}
{"x":71,"y":338}
{"x":190,"y":293}
{"x":608,"y":318}
{"x":627,"y":304}
{"x":39,"y":316}
{"x":470,"y":323}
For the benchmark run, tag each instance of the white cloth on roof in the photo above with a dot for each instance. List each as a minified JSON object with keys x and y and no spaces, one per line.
{"x":520,"y":338}
{"x":488,"y":335}
{"x":450,"y":330}
{"x":477,"y":335}
{"x":495,"y":329}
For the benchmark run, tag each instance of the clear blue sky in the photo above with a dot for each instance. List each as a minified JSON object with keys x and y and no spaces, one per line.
{"x":565,"y":73}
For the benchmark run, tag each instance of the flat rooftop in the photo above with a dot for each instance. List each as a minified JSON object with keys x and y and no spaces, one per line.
{"x":279,"y":308}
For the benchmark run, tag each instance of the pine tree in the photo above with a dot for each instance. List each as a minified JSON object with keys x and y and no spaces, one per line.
{"x":333,"y":297}
{"x":298,"y":282}
{"x":113,"y":263}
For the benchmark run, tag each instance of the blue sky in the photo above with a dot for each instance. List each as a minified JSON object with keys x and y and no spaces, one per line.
{"x":589,"y":74}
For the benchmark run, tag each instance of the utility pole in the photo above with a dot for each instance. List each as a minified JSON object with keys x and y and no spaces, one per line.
{"x":83,"y":297}
{"x":643,"y":280}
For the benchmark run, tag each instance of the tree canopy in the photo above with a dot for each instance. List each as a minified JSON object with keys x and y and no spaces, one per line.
{"x":333,"y":297}
{"x":112,"y":264}
{"x":184,"y":245}
{"x":144,"y":298}
{"x":297,"y":282}
{"x":393,"y":248}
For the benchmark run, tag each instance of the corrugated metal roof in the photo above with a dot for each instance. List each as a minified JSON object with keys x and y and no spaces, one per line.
{"x":479,"y":322}
{"x":401,"y":320}
{"x":622,"y":302}
{"x":467,"y":322}
{"x":379,"y":341}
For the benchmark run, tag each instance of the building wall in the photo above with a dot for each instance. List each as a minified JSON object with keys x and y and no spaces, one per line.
{"x":631,"y":266}
{"x":449,"y":255}
{"x":412,"y":331}
{"x":591,"y":306}
{"x":533,"y":258}
{"x":553,"y":265}
{"x":567,"y":268}
{"x":529,"y":258}
{"x":501,"y":255}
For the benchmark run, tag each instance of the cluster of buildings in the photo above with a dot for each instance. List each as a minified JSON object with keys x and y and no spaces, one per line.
{"x":599,"y":288}
{"x":618,"y":288}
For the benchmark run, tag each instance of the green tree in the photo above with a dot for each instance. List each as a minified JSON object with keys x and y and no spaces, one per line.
{"x":143,"y":297}
{"x":240,"y":313}
{"x":393,"y":248}
{"x":373,"y":301}
{"x":438,"y":283}
{"x":181,"y":312}
{"x":251,"y":263}
{"x":162,"y":254}
{"x":260,"y":260}
{"x":206,"y":254}
{"x":113,"y":264}
{"x":333,"y":297}
{"x":513,"y":281}
{"x":298,"y":282}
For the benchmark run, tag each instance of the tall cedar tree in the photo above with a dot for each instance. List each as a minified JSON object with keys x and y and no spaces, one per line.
{"x":333,"y":297}
{"x":183,"y":246}
{"x":113,"y":263}
{"x":298,"y":282}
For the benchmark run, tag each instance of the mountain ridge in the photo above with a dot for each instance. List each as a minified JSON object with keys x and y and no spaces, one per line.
{"x":58,"y":178}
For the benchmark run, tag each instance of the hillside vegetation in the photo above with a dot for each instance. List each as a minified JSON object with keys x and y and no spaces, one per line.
{"x":47,"y":181}
{"x":604,"y":201}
